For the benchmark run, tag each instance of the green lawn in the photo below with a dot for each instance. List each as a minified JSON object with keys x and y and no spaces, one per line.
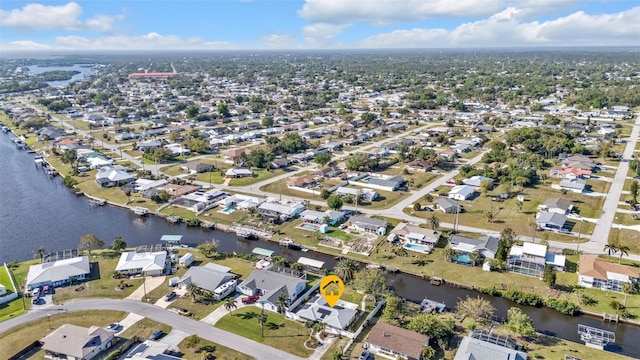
{"x":631,"y":238}
{"x":626,"y":219}
{"x":220,"y":352}
{"x":258,"y":176}
{"x":102,"y":287}
{"x":280,"y":333}
{"x":599,"y":186}
{"x":144,"y":328}
{"x":23,"y":335}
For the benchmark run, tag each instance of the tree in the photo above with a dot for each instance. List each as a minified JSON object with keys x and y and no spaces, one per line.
{"x":434,"y":222}
{"x":428,"y":353}
{"x":118,"y":244}
{"x":485,"y":187}
{"x":334,"y":202}
{"x":40,"y":252}
{"x":448,"y":253}
{"x":262,"y":319}
{"x":223,"y":109}
{"x":322,"y":158}
{"x":610,"y":249}
{"x":623,"y":250}
{"x":90,"y":242}
{"x":489,"y":215}
{"x":324,"y":194}
{"x":549,"y":275}
{"x":417,"y":207}
{"x":127,"y":193}
{"x":520,"y":323}
{"x":518,"y":206}
{"x":432,"y":326}
{"x":191,"y":341}
{"x":319,"y":327}
{"x":392,"y":307}
{"x":370,"y":281}
{"x":267,"y":122}
{"x":297,"y":266}
{"x":345,"y":269}
{"x":230,"y":304}
{"x":475,"y":257}
{"x":209,"y":248}
{"x":476,"y":308}
{"x":193,"y":291}
{"x":192,"y":111}
{"x":281,"y":303}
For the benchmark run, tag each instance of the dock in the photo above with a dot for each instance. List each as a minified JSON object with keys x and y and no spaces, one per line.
{"x":608,"y":317}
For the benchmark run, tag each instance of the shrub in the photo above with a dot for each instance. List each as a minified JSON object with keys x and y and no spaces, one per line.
{"x":523,"y":298}
{"x":563,"y":306}
{"x":491,"y":291}
{"x":616,"y":305}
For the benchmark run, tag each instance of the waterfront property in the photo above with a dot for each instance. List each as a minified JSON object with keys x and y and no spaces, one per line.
{"x":110,"y":176}
{"x":211,"y":277}
{"x":368,"y":225}
{"x":395,"y":342}
{"x":277,"y":212}
{"x":481,"y":344}
{"x":145,"y":263}
{"x":487,"y":246}
{"x":531,"y":259}
{"x":318,"y":217}
{"x":58,"y":273}
{"x":77,"y":342}
{"x":415,"y":238}
{"x":269,"y":285}
{"x":242,"y":202}
{"x":595,"y":272}
{"x":337,"y":317}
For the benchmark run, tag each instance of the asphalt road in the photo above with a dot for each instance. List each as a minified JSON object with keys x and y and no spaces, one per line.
{"x":178,"y":322}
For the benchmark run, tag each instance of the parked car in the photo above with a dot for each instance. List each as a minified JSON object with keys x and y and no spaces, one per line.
{"x":185,"y":312}
{"x":170,"y":296}
{"x":36,"y":292}
{"x":113,"y":326}
{"x":36,"y":300}
{"x":366,"y":356}
{"x":156,"y":335}
{"x":497,"y":199}
{"x":250,"y":299}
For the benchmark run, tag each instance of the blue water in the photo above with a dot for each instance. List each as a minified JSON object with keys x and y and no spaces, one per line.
{"x":463,"y":259}
{"x":84,"y":70}
{"x":417,"y":247}
{"x":309,"y":226}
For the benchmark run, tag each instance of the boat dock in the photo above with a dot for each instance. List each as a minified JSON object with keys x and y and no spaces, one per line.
{"x":429,"y":306}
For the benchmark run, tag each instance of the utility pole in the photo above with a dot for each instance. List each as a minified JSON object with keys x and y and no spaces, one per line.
{"x":455,"y":225}
{"x":579,"y":235}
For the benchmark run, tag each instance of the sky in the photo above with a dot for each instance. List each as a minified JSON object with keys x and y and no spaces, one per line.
{"x":163,"y":25}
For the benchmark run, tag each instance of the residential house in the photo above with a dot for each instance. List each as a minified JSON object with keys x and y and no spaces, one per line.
{"x":280,"y":163}
{"x":578,"y":161}
{"x":462,"y":192}
{"x":556,"y":205}
{"x":484,"y":128}
{"x":304,"y":181}
{"x":481,"y":345}
{"x":337,"y":317}
{"x":74,"y":342}
{"x":368,"y":225}
{"x":197,"y":167}
{"x":240,"y":201}
{"x":395,"y":342}
{"x":319,"y":217}
{"x":392,"y":183}
{"x":58,"y":273}
{"x":595,"y":272}
{"x":571,"y":173}
{"x":145,"y":263}
{"x":150,"y":349}
{"x":531,"y":259}
{"x":476,"y":181}
{"x":366,"y":194}
{"x":49,"y":133}
{"x":461,"y":148}
{"x":550,"y":220}
{"x":447,"y":206}
{"x":269,"y":285}
{"x":175,"y":191}
{"x":487,"y":246}
{"x":419,"y":165}
{"x":238,"y":173}
{"x":211,"y":277}
{"x":280,"y":212}
{"x":328,"y":172}
{"x":414,"y":234}
{"x":300,"y":158}
{"x":149,"y":144}
{"x":110,"y":176}
{"x":573,"y":185}
{"x":232,"y":156}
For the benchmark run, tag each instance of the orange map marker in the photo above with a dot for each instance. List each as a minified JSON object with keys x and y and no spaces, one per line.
{"x":331,"y":289}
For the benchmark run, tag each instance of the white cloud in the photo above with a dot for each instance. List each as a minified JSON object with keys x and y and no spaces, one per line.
{"x":24,"y":45}
{"x":43,"y":17}
{"x":150,"y":41}
{"x":320,"y":35}
{"x":504,"y":29}
{"x":62,"y":17}
{"x":279,"y":41}
{"x":531,"y":8}
{"x":389,"y":11}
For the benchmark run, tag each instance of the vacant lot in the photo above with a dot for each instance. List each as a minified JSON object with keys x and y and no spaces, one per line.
{"x":219,"y":352}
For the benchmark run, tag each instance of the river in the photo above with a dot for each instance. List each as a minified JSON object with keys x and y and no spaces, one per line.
{"x":36,"y":210}
{"x":85,"y":71}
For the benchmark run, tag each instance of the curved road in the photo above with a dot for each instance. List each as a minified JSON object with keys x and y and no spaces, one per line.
{"x":155,"y":313}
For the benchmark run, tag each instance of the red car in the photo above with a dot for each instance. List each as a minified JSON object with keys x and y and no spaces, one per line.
{"x":250,"y":299}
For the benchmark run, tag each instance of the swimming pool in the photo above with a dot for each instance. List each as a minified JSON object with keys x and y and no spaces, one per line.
{"x":425,"y":249}
{"x":310,"y":227}
{"x":227,"y":210}
{"x":463,"y":259}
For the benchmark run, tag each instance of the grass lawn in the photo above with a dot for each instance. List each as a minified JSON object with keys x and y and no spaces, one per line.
{"x":12,"y":309}
{"x":210,"y":215}
{"x":599,"y":186}
{"x":630,"y":238}
{"x":104,"y":286}
{"x":280,"y":187}
{"x":144,"y":328}
{"x":280,"y":333}
{"x":626,"y":219}
{"x":415,"y":179}
{"x":220,"y":352}
{"x":23,"y":335}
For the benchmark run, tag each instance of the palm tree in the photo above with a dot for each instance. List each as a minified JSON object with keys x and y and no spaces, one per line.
{"x":448,"y":253}
{"x":262,"y":319}
{"x":489,"y":215}
{"x":624,"y":250}
{"x":319,"y":327}
{"x":628,"y":288}
{"x":345,"y":268}
{"x":434,"y":222}
{"x":475,"y":257}
{"x":193,"y":291}
{"x":297,"y":267}
{"x":40,"y":252}
{"x":230,"y":304}
{"x":610,"y":248}
{"x":281,"y":303}
{"x":400,"y":251}
{"x":279,"y":261}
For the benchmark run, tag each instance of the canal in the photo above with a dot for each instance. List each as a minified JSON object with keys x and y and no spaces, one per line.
{"x":36,"y":210}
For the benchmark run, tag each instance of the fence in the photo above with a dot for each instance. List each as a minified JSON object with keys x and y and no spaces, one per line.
{"x":14,"y":294}
{"x":364,"y":325}
{"x":26,"y":350}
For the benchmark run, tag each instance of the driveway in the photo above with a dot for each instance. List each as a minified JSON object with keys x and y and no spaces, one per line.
{"x":174,"y":337}
{"x":150,"y":283}
{"x":128,"y":321}
{"x":164,"y":303}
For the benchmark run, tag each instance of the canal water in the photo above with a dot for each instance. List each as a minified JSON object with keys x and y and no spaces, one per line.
{"x":36,"y":210}
{"x":85,"y":71}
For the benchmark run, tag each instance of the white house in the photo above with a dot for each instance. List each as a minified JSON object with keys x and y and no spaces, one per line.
{"x":241,"y":201}
{"x":238,"y":173}
{"x":77,"y":342}
{"x":58,"y":273}
{"x":595,"y":272}
{"x":395,"y":342}
{"x":212,"y":277}
{"x":366,"y":224}
{"x":337,"y":317}
{"x":269,"y":285}
{"x":531,"y":259}
{"x":477,"y":180}
{"x":148,"y":263}
{"x":462,"y":192}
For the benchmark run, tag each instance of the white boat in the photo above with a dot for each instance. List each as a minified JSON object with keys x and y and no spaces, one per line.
{"x":138,"y":210}
{"x":286,"y":241}
{"x":264,"y":264}
{"x":5,"y":129}
{"x":428,"y":306}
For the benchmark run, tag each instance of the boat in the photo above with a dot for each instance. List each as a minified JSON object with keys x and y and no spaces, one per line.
{"x":174,"y":219}
{"x":97,"y":202}
{"x":138,"y":210}
{"x":429,"y":306}
{"x":286,"y":241}
{"x":373,"y":266}
{"x":294,"y":246}
{"x":245,"y":234}
{"x":5,"y":129}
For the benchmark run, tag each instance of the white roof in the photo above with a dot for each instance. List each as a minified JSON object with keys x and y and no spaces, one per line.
{"x":462,"y":190}
{"x":147,"y":261}
{"x":534,"y":249}
{"x":311,"y":262}
{"x":416,"y":236}
{"x":58,"y":270}
{"x":236,"y":171}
